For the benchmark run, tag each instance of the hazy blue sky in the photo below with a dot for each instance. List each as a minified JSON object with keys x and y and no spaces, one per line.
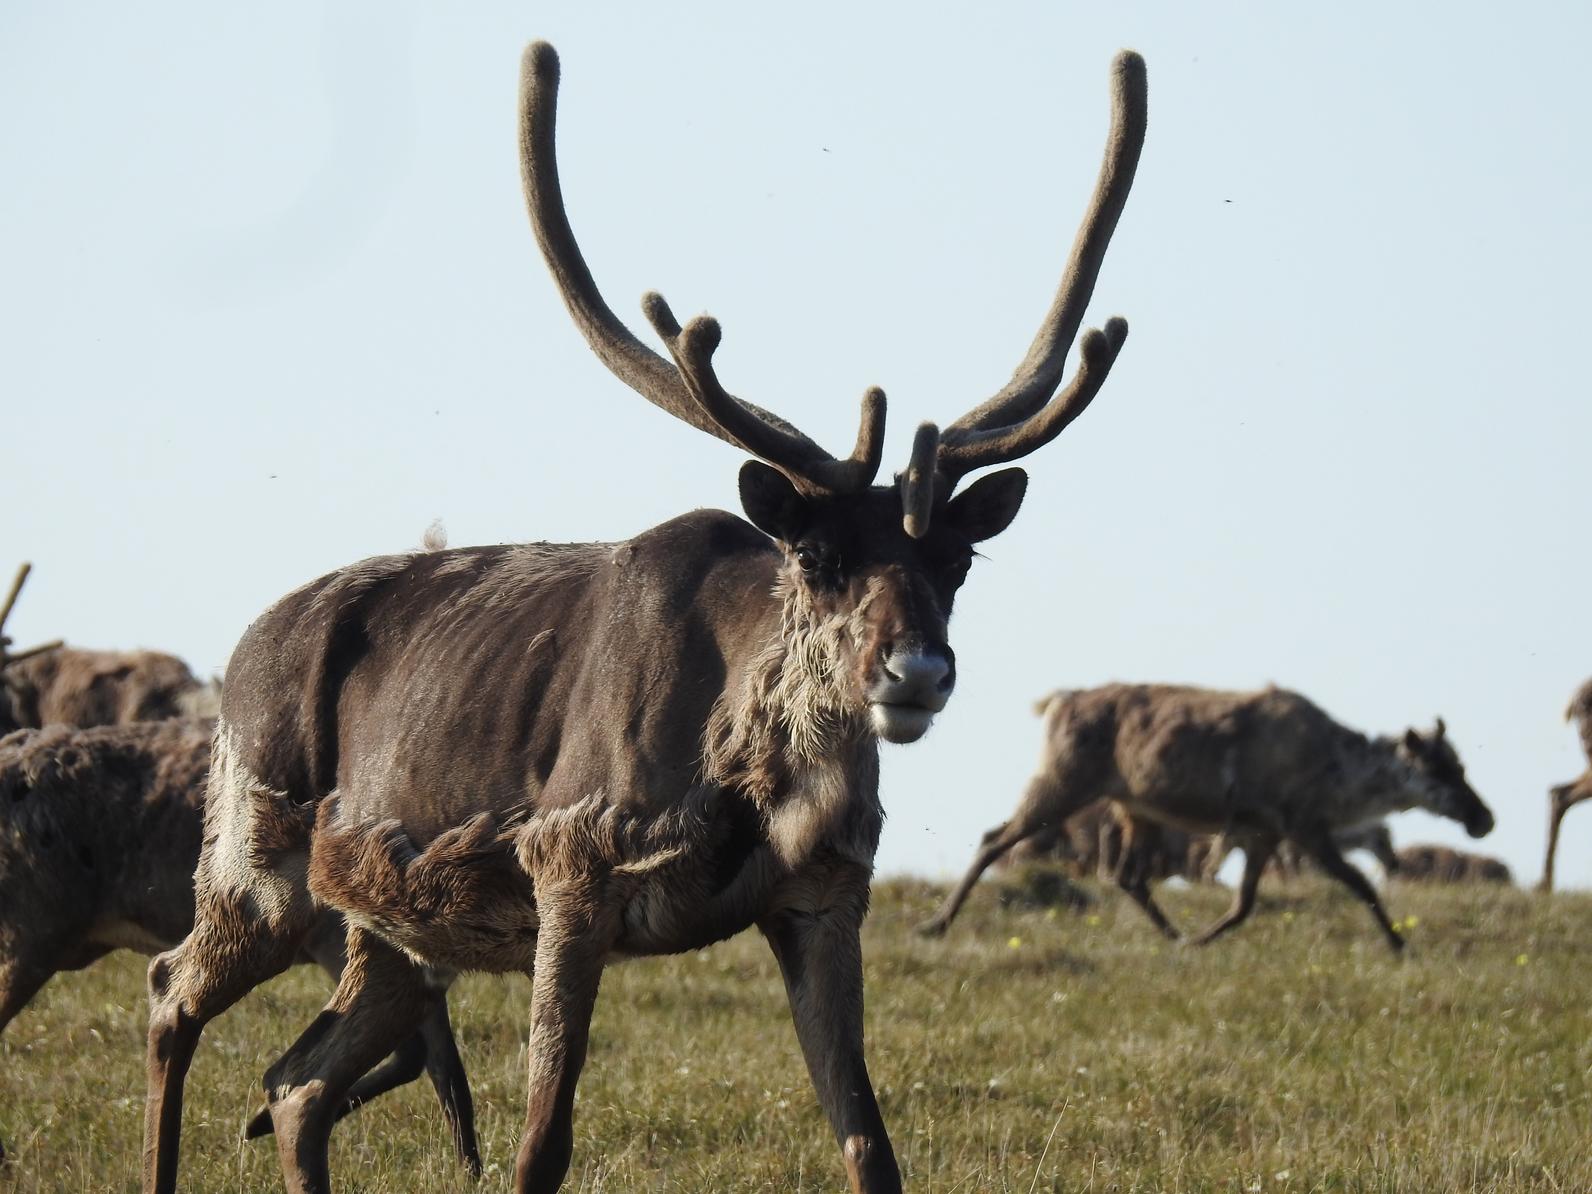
{"x":272,"y":305}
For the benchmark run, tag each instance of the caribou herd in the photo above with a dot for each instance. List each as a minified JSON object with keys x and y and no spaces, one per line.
{"x":680,"y":744}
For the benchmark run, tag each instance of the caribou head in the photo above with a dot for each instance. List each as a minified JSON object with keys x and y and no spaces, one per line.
{"x":870,"y":570}
{"x":1439,"y":777}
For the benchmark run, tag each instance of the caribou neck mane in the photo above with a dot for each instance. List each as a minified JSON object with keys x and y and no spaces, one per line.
{"x":788,"y":712}
{"x":1377,"y":772}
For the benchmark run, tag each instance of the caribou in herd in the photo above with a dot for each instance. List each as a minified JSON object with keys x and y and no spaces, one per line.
{"x":1443,"y":864}
{"x":540,"y":758}
{"x":1260,"y":768}
{"x":54,"y":684}
{"x":99,"y":835}
{"x":1563,"y":797}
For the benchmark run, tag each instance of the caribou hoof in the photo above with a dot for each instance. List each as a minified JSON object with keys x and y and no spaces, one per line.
{"x":932,"y":928}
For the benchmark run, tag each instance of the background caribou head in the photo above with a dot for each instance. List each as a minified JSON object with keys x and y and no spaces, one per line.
{"x":870,"y":571}
{"x":1440,"y":777}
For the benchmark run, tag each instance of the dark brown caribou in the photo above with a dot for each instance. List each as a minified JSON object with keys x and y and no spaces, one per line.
{"x":99,"y":836}
{"x":1259,"y":767}
{"x":52,"y":684}
{"x":544,"y":757}
{"x":1563,"y":797}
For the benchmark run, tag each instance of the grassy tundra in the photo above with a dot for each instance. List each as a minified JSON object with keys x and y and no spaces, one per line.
{"x":1025,"y":1051}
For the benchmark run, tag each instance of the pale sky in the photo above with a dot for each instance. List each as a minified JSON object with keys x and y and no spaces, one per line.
{"x":272,"y":305}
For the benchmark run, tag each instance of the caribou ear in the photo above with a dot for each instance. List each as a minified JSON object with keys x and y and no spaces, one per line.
{"x":771,"y":502}
{"x":1414,"y":743}
{"x":1442,"y":730}
{"x":986,"y":508}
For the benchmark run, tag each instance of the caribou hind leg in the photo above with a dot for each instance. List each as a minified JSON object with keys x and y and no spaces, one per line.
{"x":431,"y":1051}
{"x":252,"y":912}
{"x":380,"y":999}
{"x":1044,"y":806}
{"x":1322,"y":848}
{"x":1132,"y":873}
{"x":1257,"y":853}
{"x":230,"y":952}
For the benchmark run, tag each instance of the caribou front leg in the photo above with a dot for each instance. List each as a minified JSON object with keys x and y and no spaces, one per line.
{"x":572,"y":942}
{"x":815,"y":935}
{"x":1331,"y":860}
{"x":1257,"y":853}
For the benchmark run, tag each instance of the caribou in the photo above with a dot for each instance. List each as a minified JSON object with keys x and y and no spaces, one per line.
{"x":544,"y":757}
{"x":99,"y":837}
{"x":1563,"y":797}
{"x":52,"y":684}
{"x":1444,"y":864}
{"x":1260,"y":768}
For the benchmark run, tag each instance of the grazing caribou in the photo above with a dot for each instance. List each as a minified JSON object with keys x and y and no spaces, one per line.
{"x":1563,"y":797}
{"x":99,"y":836}
{"x":544,"y":757}
{"x":1259,"y":767}
{"x":1443,"y":864}
{"x":52,"y":684}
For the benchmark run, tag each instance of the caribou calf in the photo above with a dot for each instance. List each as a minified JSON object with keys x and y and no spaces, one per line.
{"x":1261,"y":768}
{"x":100,"y":832}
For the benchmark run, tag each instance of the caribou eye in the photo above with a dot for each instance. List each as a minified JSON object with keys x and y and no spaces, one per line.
{"x":807,"y":559}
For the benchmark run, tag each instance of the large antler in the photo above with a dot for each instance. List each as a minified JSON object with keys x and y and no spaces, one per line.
{"x":688,"y":389}
{"x":6,"y":657}
{"x":1023,"y":416}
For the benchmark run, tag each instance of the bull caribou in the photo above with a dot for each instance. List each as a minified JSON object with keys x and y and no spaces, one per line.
{"x":99,"y":835}
{"x":1563,"y":797}
{"x":545,"y":757}
{"x":52,"y":684}
{"x":1259,"y":767}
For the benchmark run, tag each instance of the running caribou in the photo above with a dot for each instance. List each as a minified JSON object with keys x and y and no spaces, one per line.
{"x":99,"y":834}
{"x":544,"y":757}
{"x":1260,"y":768}
{"x":1563,"y":797}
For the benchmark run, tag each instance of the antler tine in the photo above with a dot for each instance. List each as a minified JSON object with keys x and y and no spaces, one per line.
{"x":917,"y":483}
{"x":758,"y":431}
{"x":16,"y":589}
{"x":688,"y":390}
{"x":7,"y":658}
{"x":640,"y":368}
{"x":1036,"y":379}
{"x":995,"y":445}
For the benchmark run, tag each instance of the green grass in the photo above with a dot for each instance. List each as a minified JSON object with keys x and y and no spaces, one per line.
{"x":1029,"y":1050}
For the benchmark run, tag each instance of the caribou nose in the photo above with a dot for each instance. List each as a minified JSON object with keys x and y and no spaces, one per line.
{"x":917,"y":677}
